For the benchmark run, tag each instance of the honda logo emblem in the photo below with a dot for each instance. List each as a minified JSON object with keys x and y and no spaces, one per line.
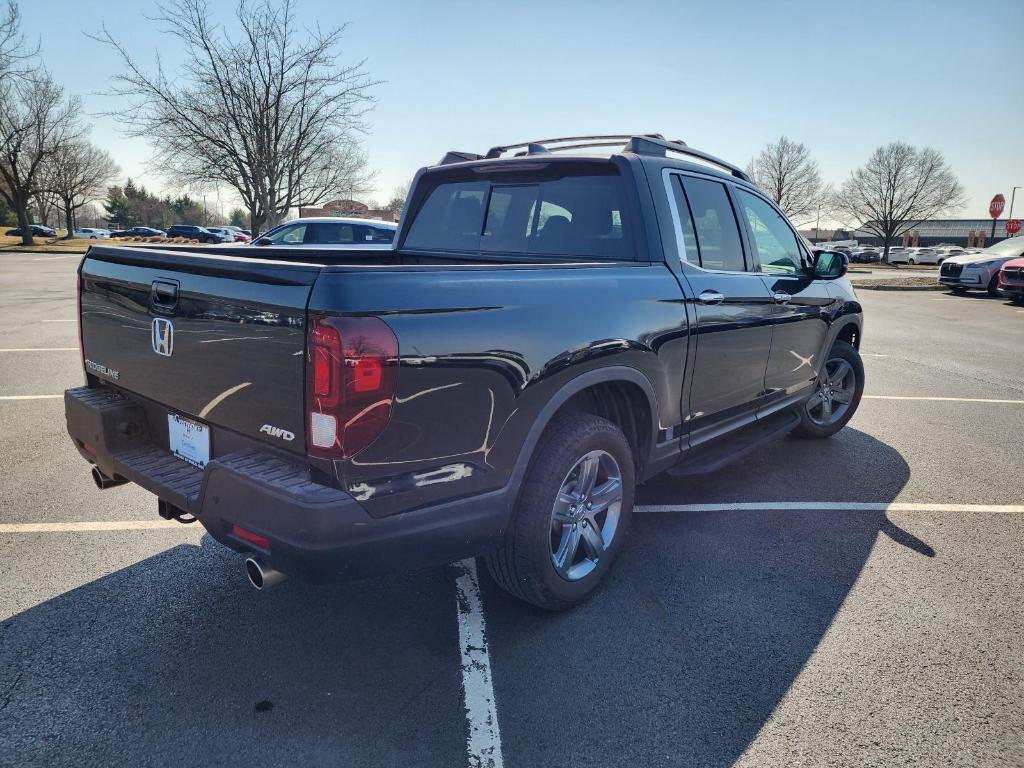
{"x":163,"y":336}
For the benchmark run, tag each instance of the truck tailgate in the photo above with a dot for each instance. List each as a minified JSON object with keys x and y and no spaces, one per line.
{"x":219,"y":339}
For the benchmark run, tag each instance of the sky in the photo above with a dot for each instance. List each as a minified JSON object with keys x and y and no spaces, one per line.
{"x":726,"y":77}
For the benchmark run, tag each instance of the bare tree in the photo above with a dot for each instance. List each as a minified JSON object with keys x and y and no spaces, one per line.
{"x":77,"y":174}
{"x":787,"y":174}
{"x":899,"y":187}
{"x":36,"y":120}
{"x":267,"y":111}
{"x":17,"y":58}
{"x":397,"y":201}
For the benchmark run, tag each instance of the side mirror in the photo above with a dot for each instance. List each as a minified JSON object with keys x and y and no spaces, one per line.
{"x":830,"y":265}
{"x":261,"y":241}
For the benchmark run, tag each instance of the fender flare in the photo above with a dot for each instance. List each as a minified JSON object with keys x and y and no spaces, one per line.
{"x":837,"y":327}
{"x":612,"y":374}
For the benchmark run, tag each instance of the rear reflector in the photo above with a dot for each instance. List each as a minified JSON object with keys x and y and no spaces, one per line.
{"x":323,"y":429}
{"x":254,"y":539}
{"x":352,"y":372}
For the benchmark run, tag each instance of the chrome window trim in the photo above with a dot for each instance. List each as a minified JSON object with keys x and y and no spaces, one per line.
{"x":677,"y":224}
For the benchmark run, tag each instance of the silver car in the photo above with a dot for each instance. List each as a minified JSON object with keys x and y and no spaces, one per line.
{"x":980,"y":271}
{"x":331,"y":232}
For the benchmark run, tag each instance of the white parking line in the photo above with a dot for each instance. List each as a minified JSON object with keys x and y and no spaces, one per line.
{"x":30,"y":397}
{"x":483,"y":739}
{"x":835,"y":506}
{"x":111,"y":525}
{"x":56,"y":258}
{"x":944,"y":399}
{"x":40,"y":349}
{"x":62,"y":320}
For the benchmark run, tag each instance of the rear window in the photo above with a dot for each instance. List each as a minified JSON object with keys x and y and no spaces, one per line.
{"x":579,"y":215}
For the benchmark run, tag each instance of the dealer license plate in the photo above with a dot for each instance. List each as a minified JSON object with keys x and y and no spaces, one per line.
{"x":190,"y":440}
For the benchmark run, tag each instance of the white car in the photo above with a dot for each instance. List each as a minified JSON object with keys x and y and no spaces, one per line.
{"x":331,"y":232}
{"x":86,"y":233}
{"x":980,"y":270}
{"x":899,"y":254}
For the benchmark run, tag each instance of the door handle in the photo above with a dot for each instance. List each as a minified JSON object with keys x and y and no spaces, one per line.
{"x":781,"y":297}
{"x":711,"y":297}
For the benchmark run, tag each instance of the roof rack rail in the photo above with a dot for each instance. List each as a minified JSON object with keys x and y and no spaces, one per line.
{"x":539,"y":146}
{"x":637,"y":143}
{"x":646,"y":145}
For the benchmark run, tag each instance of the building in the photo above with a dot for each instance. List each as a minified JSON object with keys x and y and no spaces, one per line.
{"x":351,"y":208}
{"x":967,"y":233}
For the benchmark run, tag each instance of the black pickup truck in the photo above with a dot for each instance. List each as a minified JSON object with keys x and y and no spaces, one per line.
{"x":556,"y":322}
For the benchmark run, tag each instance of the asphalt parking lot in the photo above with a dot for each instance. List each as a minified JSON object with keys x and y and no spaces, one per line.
{"x":852,"y":602}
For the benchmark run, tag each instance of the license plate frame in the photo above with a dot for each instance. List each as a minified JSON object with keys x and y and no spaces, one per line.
{"x":188,"y":440}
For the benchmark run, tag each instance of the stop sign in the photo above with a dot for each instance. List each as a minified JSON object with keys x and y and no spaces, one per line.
{"x":1012,"y":227}
{"x":996,"y":206}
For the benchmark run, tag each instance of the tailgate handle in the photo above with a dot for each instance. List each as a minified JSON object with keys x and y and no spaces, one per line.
{"x":164,"y":294}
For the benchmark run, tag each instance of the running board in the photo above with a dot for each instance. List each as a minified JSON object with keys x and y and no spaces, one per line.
{"x":723,"y":451}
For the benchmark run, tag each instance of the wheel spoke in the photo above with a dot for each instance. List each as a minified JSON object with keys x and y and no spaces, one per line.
{"x":587,"y":476}
{"x":814,"y":400}
{"x":826,"y":410}
{"x":605,"y":495}
{"x":560,"y":513}
{"x":842,"y":395}
{"x":839,"y":374}
{"x":566,"y":553}
{"x":593,"y":544}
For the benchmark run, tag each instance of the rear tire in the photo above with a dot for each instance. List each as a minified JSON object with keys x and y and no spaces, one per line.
{"x":547,"y":517}
{"x":836,"y":396}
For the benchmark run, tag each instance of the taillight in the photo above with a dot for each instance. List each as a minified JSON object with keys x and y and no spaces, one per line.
{"x":352,"y":367}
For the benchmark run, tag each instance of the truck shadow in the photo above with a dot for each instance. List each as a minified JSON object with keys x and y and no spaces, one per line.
{"x":706,"y":620}
{"x":175,"y":660}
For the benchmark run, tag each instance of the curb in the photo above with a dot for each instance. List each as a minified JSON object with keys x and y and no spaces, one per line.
{"x":63,"y":252}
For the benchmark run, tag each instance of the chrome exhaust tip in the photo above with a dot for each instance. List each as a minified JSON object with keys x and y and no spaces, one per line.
{"x":260,"y":575}
{"x":104,"y":481}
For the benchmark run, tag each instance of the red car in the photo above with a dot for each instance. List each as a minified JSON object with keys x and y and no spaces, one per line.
{"x":241,"y":237}
{"x":1011,"y":279}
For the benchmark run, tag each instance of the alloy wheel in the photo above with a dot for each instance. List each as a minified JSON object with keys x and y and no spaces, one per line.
{"x":834,"y":393}
{"x":585,"y":515}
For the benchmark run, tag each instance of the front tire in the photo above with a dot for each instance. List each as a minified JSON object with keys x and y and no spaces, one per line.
{"x":572,"y":514}
{"x":836,"y":395}
{"x":993,"y":285}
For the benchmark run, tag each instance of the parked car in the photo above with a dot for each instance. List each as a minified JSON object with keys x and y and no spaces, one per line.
{"x":87,"y":233}
{"x":139,"y":232}
{"x":980,"y":270}
{"x":1011,"y":279}
{"x":331,"y":232}
{"x":548,"y":331}
{"x":192,"y":232}
{"x":240,"y":235}
{"x":227,"y":235}
{"x":38,"y":230}
{"x":864,"y":255}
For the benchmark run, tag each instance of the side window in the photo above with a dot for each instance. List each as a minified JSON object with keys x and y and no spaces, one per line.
{"x":717,"y":234}
{"x":376,"y":235}
{"x":776,"y":244}
{"x":690,"y":252}
{"x":328,"y":233}
{"x":288,"y":235}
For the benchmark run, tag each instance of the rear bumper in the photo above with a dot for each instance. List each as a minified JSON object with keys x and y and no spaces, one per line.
{"x":315,"y":531}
